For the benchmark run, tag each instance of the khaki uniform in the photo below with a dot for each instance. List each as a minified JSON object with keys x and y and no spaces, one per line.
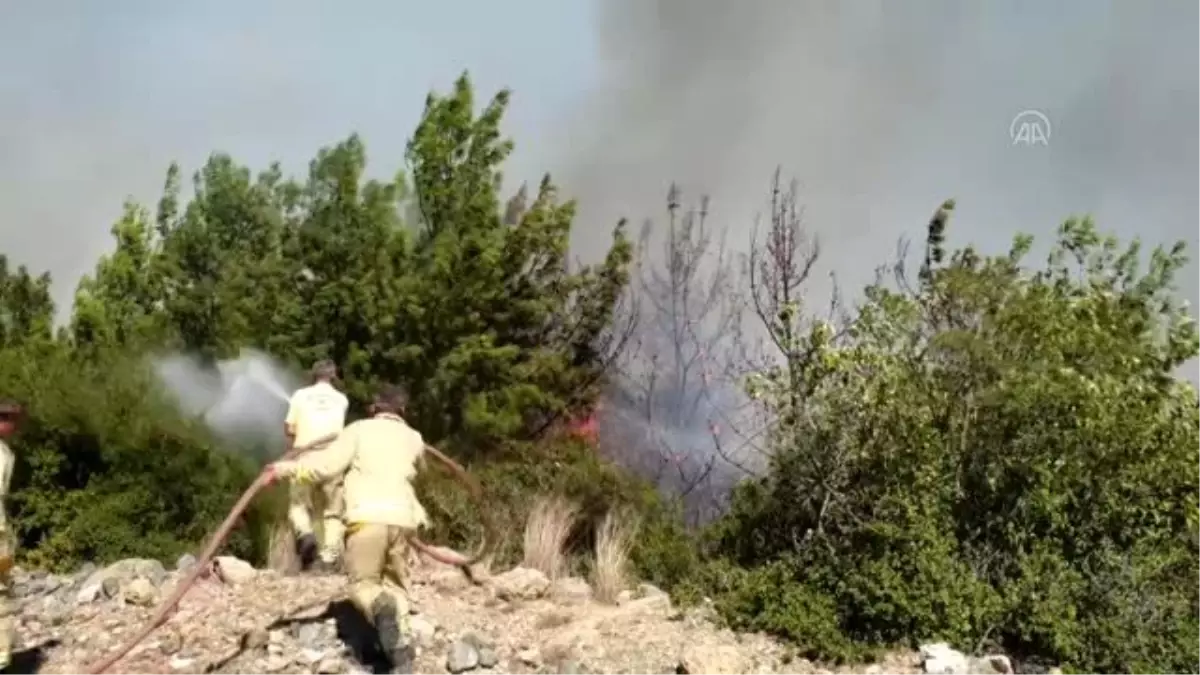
{"x":8,"y":550}
{"x":314,"y":412}
{"x":378,"y":457}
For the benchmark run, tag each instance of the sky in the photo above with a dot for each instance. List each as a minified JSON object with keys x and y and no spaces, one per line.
{"x":879,"y":109}
{"x":97,"y":99}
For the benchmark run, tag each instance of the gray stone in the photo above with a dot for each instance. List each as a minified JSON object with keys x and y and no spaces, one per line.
{"x":141,"y":592}
{"x":520,"y":583}
{"x":110,"y":586}
{"x":234,"y":571}
{"x":570,"y":667}
{"x":330,"y":665}
{"x":185,"y":562}
{"x":488,"y":657}
{"x":462,"y":657}
{"x":941,"y":659}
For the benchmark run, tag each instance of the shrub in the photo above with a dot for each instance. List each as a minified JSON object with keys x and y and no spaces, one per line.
{"x":996,"y":456}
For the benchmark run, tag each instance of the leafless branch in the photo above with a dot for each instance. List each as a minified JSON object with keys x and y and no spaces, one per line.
{"x":678,"y":375}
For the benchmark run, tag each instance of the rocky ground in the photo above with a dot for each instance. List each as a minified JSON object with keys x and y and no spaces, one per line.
{"x":241,"y":620}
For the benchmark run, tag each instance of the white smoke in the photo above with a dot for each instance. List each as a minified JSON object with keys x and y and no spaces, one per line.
{"x":243,"y":399}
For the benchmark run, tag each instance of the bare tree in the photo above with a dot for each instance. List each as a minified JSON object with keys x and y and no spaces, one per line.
{"x":777,"y":271}
{"x":661,"y":419}
{"x":677,"y":403}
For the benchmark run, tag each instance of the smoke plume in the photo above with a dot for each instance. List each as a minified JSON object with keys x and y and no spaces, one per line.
{"x":242,"y":400}
{"x":883,"y":109}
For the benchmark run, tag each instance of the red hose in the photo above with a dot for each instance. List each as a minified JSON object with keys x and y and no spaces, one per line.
{"x":164,"y":610}
{"x":218,"y":538}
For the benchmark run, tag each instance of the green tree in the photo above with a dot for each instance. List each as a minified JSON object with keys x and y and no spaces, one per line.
{"x":26,"y":309}
{"x":994,"y":453}
{"x":119,"y":303}
{"x":506,"y":336}
{"x":440,"y":286}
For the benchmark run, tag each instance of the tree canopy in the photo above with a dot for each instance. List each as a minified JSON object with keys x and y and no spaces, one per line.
{"x":989,"y":452}
{"x":469,"y":300}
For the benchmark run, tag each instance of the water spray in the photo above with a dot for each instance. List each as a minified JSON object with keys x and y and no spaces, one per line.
{"x":241,"y":400}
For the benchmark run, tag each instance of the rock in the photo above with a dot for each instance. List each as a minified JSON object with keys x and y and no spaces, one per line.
{"x":423,"y":630}
{"x":520,"y":583}
{"x":546,"y":627}
{"x":110,"y":587}
{"x":170,"y":642}
{"x":330,"y":665}
{"x":941,"y":658}
{"x":705,"y":658}
{"x":450,"y":579}
{"x":645,"y":590}
{"x":88,"y":594}
{"x":180,"y":663}
{"x":141,"y":592}
{"x":530,"y":657}
{"x":185,"y":562}
{"x":476,"y":640}
{"x":570,"y":667}
{"x":650,"y":605}
{"x":570,"y":591}
{"x":130,"y":569}
{"x":462,"y":657}
{"x":945,"y":660}
{"x":234,"y":571}
{"x":309,"y":634}
{"x":993,"y":664}
{"x":106,"y":583}
{"x":255,"y":639}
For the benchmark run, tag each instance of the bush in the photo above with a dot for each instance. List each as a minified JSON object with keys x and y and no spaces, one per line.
{"x":107,"y":469}
{"x":998,"y":457}
{"x":568,"y":468}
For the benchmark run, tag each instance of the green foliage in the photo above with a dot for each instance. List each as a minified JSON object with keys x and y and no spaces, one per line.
{"x":470,"y":302}
{"x":992,"y":453}
{"x":106,"y":470}
{"x":996,"y":454}
{"x":663,"y":552}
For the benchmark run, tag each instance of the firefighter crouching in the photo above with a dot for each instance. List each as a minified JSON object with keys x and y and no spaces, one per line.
{"x":313,"y":412}
{"x":378,"y":458}
{"x":10,"y":414}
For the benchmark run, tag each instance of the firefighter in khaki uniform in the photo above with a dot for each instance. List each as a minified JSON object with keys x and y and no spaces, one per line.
{"x":378,"y":457}
{"x":314,"y":412}
{"x":9,"y":414}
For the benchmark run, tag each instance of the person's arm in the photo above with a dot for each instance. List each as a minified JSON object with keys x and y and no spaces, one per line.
{"x":7,"y":461}
{"x":332,"y":460}
{"x":419,"y":462}
{"x":293,"y":413}
{"x":345,"y":405}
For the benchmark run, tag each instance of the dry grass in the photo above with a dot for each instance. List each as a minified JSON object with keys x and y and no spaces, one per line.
{"x":546,"y":531}
{"x":614,"y":542}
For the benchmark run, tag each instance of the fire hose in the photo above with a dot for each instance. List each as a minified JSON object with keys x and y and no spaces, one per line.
{"x":442,"y":555}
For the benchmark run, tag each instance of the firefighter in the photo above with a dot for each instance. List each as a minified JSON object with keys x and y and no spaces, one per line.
{"x":378,"y":459}
{"x":10,"y":414}
{"x":314,"y":412}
